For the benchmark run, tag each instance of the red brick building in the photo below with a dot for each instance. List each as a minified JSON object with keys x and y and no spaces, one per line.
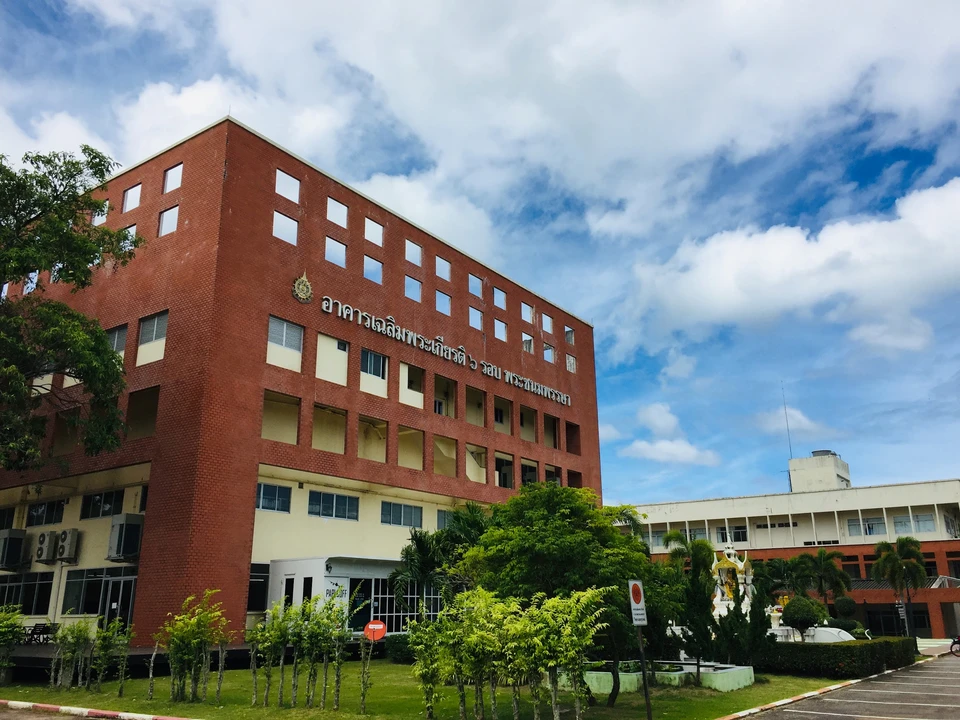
{"x":309,"y":375}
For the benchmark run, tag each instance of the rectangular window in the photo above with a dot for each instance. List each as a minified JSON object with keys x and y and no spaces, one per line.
{"x":415,"y":379}
{"x":372,"y":439}
{"x":475,"y":401}
{"x":373,"y":363}
{"x":131,"y":234}
{"x":572,"y":431}
{"x":330,"y":505}
{"x":571,"y":364}
{"x":924,"y":522}
{"x":285,"y":334}
{"x":551,"y":474}
{"x":273,"y":497}
{"x":499,"y":298}
{"x":546,"y":322}
{"x":336,"y":212}
{"x":284,"y":228}
{"x":901,"y":525}
{"x":373,"y":270}
{"x":411,"y":288}
{"x":168,"y":220}
{"x":335,"y":252}
{"x":444,"y":456}
{"x":392,"y":513}
{"x":6,"y":518}
{"x":104,"y":504}
{"x":500,"y":330}
{"x":172,"y":178}
{"x":698,"y":533}
{"x":443,"y":268}
{"x":443,"y":303}
{"x":443,"y":517}
{"x":45,"y":513}
{"x":527,"y":340}
{"x":413,"y":253}
{"x":30,"y":591}
{"x":476,"y":463}
{"x":373,"y":231}
{"x":551,"y":431}
{"x":410,"y":447}
{"x":444,"y":396}
{"x":502,"y":415}
{"x":476,"y":319}
{"x":740,"y":533}
{"x":280,"y":417}
{"x":568,"y":334}
{"x":528,"y":472}
{"x":117,"y":337}
{"x":475,"y":285}
{"x":131,"y":198}
{"x":101,"y":217}
{"x":142,"y":409}
{"x":526,"y":312}
{"x":329,"y":429}
{"x":874,"y":526}
{"x":30,"y":284}
{"x":287,"y":186}
{"x":853,"y":528}
{"x":548,"y":353}
{"x":153,"y":328}
{"x":503,"y":466}
{"x":528,"y":424}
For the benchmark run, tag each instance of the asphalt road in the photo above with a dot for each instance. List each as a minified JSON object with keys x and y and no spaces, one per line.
{"x":930,"y":691}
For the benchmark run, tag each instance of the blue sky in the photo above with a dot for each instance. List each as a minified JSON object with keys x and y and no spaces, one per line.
{"x":739,"y":196}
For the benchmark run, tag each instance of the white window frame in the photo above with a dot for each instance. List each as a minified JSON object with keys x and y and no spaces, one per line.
{"x":168,"y":178}
{"x":410,"y":283}
{"x":336,"y":211}
{"x":499,"y":298}
{"x":131,"y":199}
{"x":291,"y":334}
{"x":173,"y":212}
{"x":281,"y":225}
{"x":332,"y":245}
{"x":370,"y":359}
{"x":373,"y":266}
{"x":410,"y":251}
{"x":287,"y":186}
{"x":440,"y":298}
{"x":476,"y":318}
{"x":443,"y":268}
{"x":500,"y":329}
{"x":373,"y":231}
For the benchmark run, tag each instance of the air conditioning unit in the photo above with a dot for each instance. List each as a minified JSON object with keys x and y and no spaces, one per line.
{"x":46,"y":551}
{"x":125,"y":532}
{"x":67,"y":545}
{"x":11,"y":549}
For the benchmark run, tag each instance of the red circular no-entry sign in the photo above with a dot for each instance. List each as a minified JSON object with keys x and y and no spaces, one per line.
{"x":375,"y":630}
{"x":637,"y":593}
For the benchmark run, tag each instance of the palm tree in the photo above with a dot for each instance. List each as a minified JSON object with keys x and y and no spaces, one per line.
{"x":827,"y":577}
{"x":793,"y":575}
{"x":420,"y":565}
{"x":699,"y":553}
{"x":901,"y":565}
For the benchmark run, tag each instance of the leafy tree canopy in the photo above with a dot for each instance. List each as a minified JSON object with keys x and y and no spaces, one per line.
{"x":46,"y":230}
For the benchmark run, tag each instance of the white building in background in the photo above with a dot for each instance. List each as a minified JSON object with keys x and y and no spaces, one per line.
{"x":824,"y":509}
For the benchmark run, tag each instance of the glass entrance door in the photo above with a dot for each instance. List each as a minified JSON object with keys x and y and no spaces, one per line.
{"x":118,"y":599}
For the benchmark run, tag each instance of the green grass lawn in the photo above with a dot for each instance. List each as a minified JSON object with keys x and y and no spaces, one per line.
{"x":395,"y":694}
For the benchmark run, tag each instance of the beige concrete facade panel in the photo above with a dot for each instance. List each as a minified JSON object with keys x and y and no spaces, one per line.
{"x":153,"y":351}
{"x":331,"y":362}
{"x":276,"y":355}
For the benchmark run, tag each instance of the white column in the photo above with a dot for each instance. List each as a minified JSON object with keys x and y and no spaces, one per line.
{"x":793,"y":538}
{"x":813,"y":522}
{"x":686,"y":528}
{"x":913,"y":528}
{"x":769,"y":531}
{"x":936,"y":518}
{"x":863,"y":530}
{"x":726,"y":527}
{"x":706,"y":528}
{"x":650,"y":535}
{"x":886,"y":525}
{"x":836,"y":519}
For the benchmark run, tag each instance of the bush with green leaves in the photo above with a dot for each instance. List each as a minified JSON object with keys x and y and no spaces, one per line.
{"x":847,"y":624}
{"x":800,"y":614}
{"x":72,"y":644}
{"x":846,"y":607}
{"x":11,"y":633}
{"x":189,"y":637}
{"x":851,"y":659}
{"x":398,"y":649}
{"x":111,"y":643}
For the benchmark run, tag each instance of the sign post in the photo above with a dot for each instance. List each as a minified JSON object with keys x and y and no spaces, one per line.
{"x":638,"y":609}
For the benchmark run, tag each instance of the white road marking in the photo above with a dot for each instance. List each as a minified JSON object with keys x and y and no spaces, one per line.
{"x":909,"y":692}
{"x":888,"y":702}
{"x":848,"y":715}
{"x":916,"y":684}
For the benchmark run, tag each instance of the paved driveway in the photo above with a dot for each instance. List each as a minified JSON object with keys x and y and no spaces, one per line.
{"x":930,"y":691}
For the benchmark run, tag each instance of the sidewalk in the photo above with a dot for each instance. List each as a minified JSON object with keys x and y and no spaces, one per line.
{"x":934,"y":646}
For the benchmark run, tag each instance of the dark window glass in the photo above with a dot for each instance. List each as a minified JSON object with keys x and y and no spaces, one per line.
{"x":143,"y":499}
{"x":257,"y":592}
{"x":307,"y":588}
{"x":6,"y":518}
{"x":45,"y":513}
{"x":400,"y":514}
{"x":102,"y":504}
{"x":273,"y":497}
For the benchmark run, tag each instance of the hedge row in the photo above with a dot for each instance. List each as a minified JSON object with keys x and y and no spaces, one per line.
{"x":853,"y":659}
{"x":398,"y":649}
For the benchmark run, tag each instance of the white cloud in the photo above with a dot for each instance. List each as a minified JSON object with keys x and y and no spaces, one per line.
{"x":658,"y":419}
{"x":873,"y":273}
{"x":47,"y":132}
{"x":670,"y":451}
{"x":774,"y":423}
{"x":609,"y":433}
{"x":679,"y":366}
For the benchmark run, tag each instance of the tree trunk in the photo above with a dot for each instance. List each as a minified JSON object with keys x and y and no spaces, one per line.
{"x":615,"y":673}
{"x":698,"y":671}
{"x":535,"y":686}
{"x":337,"y":678}
{"x":461,"y":697}
{"x":283,"y":672}
{"x":53,"y":668}
{"x":554,"y":692}
{"x":428,"y":702}
{"x":153,"y":659}
{"x":206,"y":671}
{"x":326,"y":672}
{"x":577,"y":691}
{"x":267,"y":680}
{"x":493,"y":696}
{"x":478,"y":713}
{"x":516,"y":702}
{"x":253,"y":671}
{"x":295,"y":681}
{"x":221,"y":666}
{"x":311,"y":682}
{"x":123,"y":670}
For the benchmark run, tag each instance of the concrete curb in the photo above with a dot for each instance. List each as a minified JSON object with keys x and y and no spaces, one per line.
{"x":821,"y":691}
{"x":82,"y":712}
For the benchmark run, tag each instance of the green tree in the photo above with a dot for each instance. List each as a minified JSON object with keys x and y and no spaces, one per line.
{"x":698,"y":624}
{"x":420,"y":567}
{"x":46,"y":234}
{"x":846,"y":606}
{"x":11,"y":633}
{"x":800,"y":614}
{"x":698,"y":553}
{"x":827,"y":577}
{"x":554,"y":540}
{"x":901,"y":565}
{"x":428,"y":666}
{"x":732,"y":632}
{"x":793,"y":575}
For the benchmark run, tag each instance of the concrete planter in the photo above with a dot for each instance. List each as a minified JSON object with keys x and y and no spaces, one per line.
{"x":722,"y":678}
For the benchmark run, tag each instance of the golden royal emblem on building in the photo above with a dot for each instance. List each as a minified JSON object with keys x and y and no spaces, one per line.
{"x":302,"y":291}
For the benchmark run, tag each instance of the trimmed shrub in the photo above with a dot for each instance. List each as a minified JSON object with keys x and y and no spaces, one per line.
{"x":398,"y":649}
{"x":843,"y":624}
{"x":853,"y":659}
{"x":800,"y":614}
{"x":846,"y":607}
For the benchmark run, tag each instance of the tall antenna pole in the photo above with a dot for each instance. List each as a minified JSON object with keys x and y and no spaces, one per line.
{"x":786,"y":419}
